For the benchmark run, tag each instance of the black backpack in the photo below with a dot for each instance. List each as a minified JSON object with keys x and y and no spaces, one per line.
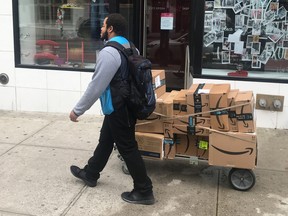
{"x":141,"y":101}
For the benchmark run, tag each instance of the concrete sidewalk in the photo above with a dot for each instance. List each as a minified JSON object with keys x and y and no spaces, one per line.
{"x":37,"y":149}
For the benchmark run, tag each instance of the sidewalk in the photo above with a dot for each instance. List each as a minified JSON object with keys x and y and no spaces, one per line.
{"x":37,"y":149}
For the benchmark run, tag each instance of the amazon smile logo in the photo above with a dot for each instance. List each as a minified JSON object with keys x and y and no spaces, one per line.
{"x":235,"y":153}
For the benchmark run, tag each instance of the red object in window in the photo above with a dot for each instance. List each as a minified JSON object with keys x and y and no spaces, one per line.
{"x":47,"y":42}
{"x":45,"y":55}
{"x":47,"y":52}
{"x":239,"y":73}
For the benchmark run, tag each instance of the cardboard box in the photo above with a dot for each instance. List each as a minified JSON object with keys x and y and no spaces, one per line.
{"x":218,"y":97}
{"x":180,"y":104}
{"x":202,"y":147}
{"x":232,"y":149}
{"x":201,"y":131}
{"x":169,"y":148}
{"x":168,"y":113}
{"x":198,"y":99}
{"x":218,"y":100}
{"x":181,"y":119}
{"x":245,"y":112}
{"x":233,"y":125}
{"x":160,"y":123}
{"x":220,"y":121}
{"x":184,"y":127}
{"x":168,"y":129}
{"x":203,"y":121}
{"x":202,"y":154}
{"x":168,"y":105}
{"x":190,"y":130}
{"x":150,"y":145}
{"x":154,"y":123}
{"x":151,"y":125}
{"x":186,"y":145}
{"x":159,"y":82}
{"x":197,"y":126}
{"x":180,"y":129}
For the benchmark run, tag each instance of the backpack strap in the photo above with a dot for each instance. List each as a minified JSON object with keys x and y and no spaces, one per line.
{"x":126,"y":51}
{"x":122,"y":51}
{"x":117,"y":46}
{"x":133,"y":49}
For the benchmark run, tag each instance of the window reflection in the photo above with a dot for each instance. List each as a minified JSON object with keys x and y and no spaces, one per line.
{"x":252,"y":33}
{"x":167,"y":24}
{"x":61,"y":33}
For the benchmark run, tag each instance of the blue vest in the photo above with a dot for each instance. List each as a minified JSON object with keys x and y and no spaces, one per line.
{"x":113,"y":96}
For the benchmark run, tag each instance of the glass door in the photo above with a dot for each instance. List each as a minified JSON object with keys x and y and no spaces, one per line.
{"x":167,"y":36}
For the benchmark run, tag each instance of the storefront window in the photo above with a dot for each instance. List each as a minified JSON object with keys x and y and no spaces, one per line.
{"x":60,"y":33}
{"x":246,"y":35}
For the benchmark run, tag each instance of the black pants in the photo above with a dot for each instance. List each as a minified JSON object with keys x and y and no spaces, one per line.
{"x":119,"y":128}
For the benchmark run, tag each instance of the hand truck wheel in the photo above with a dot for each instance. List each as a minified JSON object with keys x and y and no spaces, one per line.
{"x":242,"y":179}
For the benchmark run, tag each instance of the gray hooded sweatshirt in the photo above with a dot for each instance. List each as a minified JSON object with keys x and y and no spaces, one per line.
{"x":107,"y":64}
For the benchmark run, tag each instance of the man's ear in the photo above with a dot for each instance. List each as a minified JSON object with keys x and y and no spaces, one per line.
{"x":110,"y":29}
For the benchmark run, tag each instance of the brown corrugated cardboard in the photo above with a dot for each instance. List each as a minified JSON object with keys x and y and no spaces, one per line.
{"x":184,"y":127}
{"x":219,"y":99}
{"x":203,"y":121}
{"x":233,"y":126}
{"x":150,"y":145}
{"x":202,"y":154}
{"x":169,"y":148}
{"x":168,"y":104}
{"x":151,"y":125}
{"x":186,"y":145}
{"x":168,"y":112}
{"x":203,"y":147}
{"x":219,"y":96}
{"x":179,"y":103}
{"x":245,"y":113}
{"x":200,"y":126}
{"x":181,"y":119}
{"x":232,"y":149}
{"x":201,"y":131}
{"x":154,"y":123}
{"x":159,"y":83}
{"x":196,"y":126}
{"x":220,"y":121}
{"x":191,"y":130}
{"x":180,"y":128}
{"x":198,"y":99}
{"x":168,"y":129}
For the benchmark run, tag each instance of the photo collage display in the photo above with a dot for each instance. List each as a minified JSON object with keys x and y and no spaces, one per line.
{"x":250,"y":31}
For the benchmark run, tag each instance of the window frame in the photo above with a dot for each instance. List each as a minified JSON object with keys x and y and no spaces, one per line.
{"x":196,"y":44}
{"x":17,"y":50}
{"x":114,"y":8}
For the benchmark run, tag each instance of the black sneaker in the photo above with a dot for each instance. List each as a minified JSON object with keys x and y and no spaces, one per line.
{"x":81,"y":174}
{"x":137,"y":198}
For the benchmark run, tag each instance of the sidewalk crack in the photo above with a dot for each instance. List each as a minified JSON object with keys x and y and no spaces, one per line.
{"x":16,"y":145}
{"x":73,"y":201}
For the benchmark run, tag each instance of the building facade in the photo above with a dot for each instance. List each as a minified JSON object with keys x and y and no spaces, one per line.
{"x":48,"y":48}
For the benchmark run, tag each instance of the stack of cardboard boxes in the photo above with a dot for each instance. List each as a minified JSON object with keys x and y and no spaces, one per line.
{"x":208,"y":121}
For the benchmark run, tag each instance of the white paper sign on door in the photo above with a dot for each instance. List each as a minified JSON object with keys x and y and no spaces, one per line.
{"x":166,"y":21}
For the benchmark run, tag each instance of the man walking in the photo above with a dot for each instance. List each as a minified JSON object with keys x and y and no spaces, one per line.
{"x":110,"y":84}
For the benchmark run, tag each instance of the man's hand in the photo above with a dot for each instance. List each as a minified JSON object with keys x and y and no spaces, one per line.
{"x":73,"y":116}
